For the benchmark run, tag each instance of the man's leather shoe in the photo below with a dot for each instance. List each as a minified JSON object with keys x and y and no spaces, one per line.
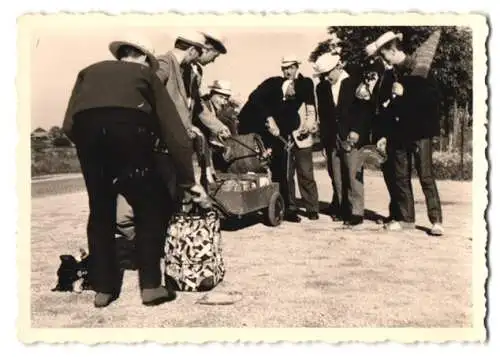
{"x":355,"y":221}
{"x":292,"y":217}
{"x":104,"y":299}
{"x":313,"y":216}
{"x":336,"y":218}
{"x":156,"y":296}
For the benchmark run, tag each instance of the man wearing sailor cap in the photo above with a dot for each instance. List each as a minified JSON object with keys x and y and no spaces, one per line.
{"x":193,"y":76}
{"x":413,"y":113}
{"x":193,"y":72}
{"x":188,"y":49}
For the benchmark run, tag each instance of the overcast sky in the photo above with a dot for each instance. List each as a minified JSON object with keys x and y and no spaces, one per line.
{"x":253,"y":55}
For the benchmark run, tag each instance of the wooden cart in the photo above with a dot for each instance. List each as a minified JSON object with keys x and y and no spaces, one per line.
{"x":238,"y":203}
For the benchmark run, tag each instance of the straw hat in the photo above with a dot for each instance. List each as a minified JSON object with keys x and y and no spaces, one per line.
{"x":288,"y":60}
{"x":325,"y":63}
{"x":375,"y":46}
{"x":222,"y":87}
{"x":216,"y":40}
{"x":140,"y":43}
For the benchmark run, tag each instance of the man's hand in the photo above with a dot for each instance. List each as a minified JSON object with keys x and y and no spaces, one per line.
{"x":313,"y":128}
{"x":224,"y":133}
{"x":353,"y":137}
{"x":382,"y":145}
{"x":397,"y":89}
{"x":309,"y":127}
{"x":303,"y":130}
{"x":362,"y":92}
{"x":272,"y":127}
{"x":200,"y":196}
{"x":193,"y":132}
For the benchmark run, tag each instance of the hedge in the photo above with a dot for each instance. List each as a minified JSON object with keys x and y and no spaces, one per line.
{"x":64,"y":160}
{"x":446,"y":166}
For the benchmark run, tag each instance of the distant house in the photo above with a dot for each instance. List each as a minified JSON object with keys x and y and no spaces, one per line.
{"x":40,"y":134}
{"x":40,"y":139}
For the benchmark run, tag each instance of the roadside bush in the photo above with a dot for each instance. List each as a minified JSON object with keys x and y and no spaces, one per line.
{"x":64,"y":160}
{"x":54,"y":161}
{"x":446,"y":166}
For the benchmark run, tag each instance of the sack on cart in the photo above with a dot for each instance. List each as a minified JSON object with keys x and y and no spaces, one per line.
{"x":243,"y":154}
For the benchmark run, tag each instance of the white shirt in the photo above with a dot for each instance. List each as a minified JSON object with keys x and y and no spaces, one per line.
{"x":286,"y":83}
{"x":336,"y":86}
{"x":194,"y":68}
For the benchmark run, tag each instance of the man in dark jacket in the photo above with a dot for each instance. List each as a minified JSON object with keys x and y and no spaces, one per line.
{"x":380,"y":96}
{"x":271,"y":111}
{"x":414,"y":112}
{"x":113,"y":109}
{"x":344,"y":128}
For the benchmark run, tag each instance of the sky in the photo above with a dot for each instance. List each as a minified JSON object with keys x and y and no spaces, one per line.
{"x":253,"y":55}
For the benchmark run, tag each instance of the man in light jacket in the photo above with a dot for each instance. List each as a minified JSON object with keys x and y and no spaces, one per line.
{"x":187,"y":48}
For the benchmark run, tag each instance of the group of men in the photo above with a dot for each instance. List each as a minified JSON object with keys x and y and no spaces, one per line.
{"x":133,"y":121}
{"x":383,"y":103}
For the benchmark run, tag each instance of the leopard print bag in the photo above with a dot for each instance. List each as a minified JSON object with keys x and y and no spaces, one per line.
{"x":193,"y":252}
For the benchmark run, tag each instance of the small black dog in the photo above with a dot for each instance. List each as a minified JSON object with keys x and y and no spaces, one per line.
{"x":72,"y":274}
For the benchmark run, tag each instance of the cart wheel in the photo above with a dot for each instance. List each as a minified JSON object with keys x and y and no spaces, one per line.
{"x":276,"y":210}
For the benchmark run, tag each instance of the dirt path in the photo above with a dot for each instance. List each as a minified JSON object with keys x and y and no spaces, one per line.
{"x":311,"y":274}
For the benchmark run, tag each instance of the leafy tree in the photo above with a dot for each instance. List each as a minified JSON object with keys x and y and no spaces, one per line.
{"x":39,"y":130}
{"x":55,"y":132}
{"x":452,"y":65}
{"x":58,"y":138}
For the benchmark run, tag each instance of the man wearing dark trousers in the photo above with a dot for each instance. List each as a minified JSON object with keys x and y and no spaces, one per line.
{"x":272,"y":111}
{"x":344,"y":124}
{"x":113,"y":109}
{"x":414,"y":111}
{"x":380,"y":98}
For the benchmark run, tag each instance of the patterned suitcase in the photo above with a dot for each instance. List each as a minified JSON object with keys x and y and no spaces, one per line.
{"x":193,"y":252}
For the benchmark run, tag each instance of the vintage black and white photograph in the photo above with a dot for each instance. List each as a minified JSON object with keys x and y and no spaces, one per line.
{"x":251,"y":172}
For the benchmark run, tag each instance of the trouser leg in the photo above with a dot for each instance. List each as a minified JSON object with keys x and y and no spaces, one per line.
{"x":334,"y":166}
{"x":423,"y":165}
{"x":305,"y":177}
{"x":402,"y":185}
{"x":355,"y":185}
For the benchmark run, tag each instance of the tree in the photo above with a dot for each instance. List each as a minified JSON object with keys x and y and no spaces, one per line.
{"x":452,"y":66}
{"x":61,"y":141}
{"x":58,"y":138}
{"x":55,"y":132}
{"x":39,"y":131}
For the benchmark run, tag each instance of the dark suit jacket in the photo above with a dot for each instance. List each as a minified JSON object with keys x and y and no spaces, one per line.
{"x":350,"y":114}
{"x":383,"y":124}
{"x":267,"y":101}
{"x":118,"y":84}
{"x":415,"y":115}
